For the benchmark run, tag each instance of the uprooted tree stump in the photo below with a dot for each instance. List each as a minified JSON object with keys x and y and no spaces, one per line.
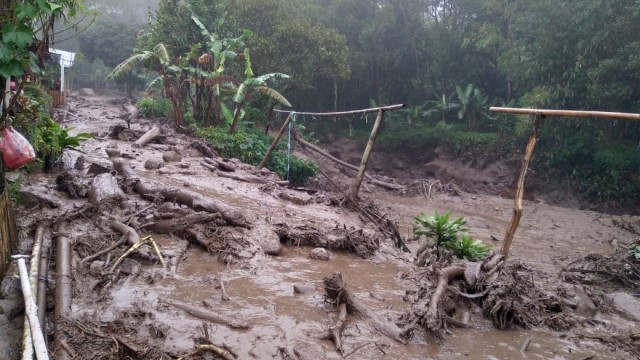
{"x":337,"y":293}
{"x":359,"y":241}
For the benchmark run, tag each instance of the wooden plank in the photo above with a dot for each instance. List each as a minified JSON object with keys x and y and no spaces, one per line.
{"x":571,"y":113}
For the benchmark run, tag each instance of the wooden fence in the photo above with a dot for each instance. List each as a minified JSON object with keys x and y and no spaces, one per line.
{"x":8,"y":232}
{"x":58,"y":97}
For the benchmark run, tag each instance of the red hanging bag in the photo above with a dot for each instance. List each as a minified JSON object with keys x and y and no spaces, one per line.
{"x":16,"y":150}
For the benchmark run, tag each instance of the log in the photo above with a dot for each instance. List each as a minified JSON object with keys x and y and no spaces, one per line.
{"x":203,"y":314}
{"x":336,"y":330}
{"x":132,"y":237}
{"x":517,"y":210}
{"x":446,"y":274}
{"x":34,"y":269}
{"x":275,"y":142}
{"x":373,"y":180}
{"x":152,"y":190}
{"x":44,"y":278}
{"x":244,"y":178}
{"x":180,"y":224}
{"x":148,"y":137}
{"x":337,"y":291}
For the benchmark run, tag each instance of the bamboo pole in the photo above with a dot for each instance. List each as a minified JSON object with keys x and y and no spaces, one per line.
{"x":365,"y":156}
{"x":43,"y":278}
{"x":63,"y":292}
{"x":275,"y":142}
{"x":32,"y":313}
{"x":342,"y":113}
{"x":34,"y":265}
{"x":572,"y":113}
{"x":517,"y":210}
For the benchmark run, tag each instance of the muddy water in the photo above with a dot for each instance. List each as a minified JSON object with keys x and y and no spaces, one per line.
{"x":262,"y":293}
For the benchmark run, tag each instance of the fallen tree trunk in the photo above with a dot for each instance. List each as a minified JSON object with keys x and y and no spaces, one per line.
{"x":244,"y":178}
{"x":132,"y":238}
{"x":152,"y":191}
{"x":203,"y":314}
{"x":180,"y":224}
{"x":349,"y":166}
{"x":434,"y":319}
{"x":148,"y":137}
{"x":337,"y":291}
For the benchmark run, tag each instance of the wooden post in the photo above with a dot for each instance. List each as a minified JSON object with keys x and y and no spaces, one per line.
{"x":275,"y":142}
{"x":367,"y":153}
{"x":517,"y":210}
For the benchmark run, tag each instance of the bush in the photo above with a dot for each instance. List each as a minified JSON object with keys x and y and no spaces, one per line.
{"x":250,"y":147}
{"x":149,"y":107}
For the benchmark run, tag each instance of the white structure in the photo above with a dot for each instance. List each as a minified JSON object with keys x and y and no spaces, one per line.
{"x":66,"y":60}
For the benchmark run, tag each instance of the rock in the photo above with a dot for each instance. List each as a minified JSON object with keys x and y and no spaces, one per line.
{"x":165,"y":171}
{"x":10,"y":338}
{"x":308,"y":351}
{"x":96,"y":267}
{"x":130,"y":266}
{"x":304,"y":288}
{"x":320,"y":254}
{"x":171,"y":156}
{"x":266,"y":238}
{"x":153,"y":164}
{"x":296,"y":197}
{"x":11,"y":307}
{"x":87,"y":92}
{"x":184,"y":165}
{"x":585,"y":306}
{"x":625,"y":305}
{"x":97,"y":169}
{"x":112,"y":152}
{"x":104,"y":187}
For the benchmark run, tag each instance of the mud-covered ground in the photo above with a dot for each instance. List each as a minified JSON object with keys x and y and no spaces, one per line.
{"x":277,"y":292}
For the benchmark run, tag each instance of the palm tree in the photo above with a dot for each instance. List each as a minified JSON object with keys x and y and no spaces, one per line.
{"x":257,"y":84}
{"x":158,"y":60}
{"x":441,"y":106}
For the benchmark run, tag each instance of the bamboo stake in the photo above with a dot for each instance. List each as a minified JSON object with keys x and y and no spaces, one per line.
{"x":572,"y":113}
{"x":34,"y":265}
{"x":63,"y":292}
{"x":43,"y":278}
{"x":517,"y":210}
{"x":367,"y":153}
{"x":275,"y":142}
{"x":32,"y":313}
{"x":343,"y":113}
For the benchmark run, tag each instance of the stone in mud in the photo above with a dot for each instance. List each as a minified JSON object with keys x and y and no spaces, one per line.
{"x":96,"y":267}
{"x":153,"y":164}
{"x":320,"y":254}
{"x":130,"y":266}
{"x":87,"y":92}
{"x":165,"y":171}
{"x":309,"y":352}
{"x":625,"y":305}
{"x":97,"y":169}
{"x":11,"y":306}
{"x":104,"y":187}
{"x":112,"y":152}
{"x":585,"y":307}
{"x":171,"y":156}
{"x":266,"y":238}
{"x":304,"y":288}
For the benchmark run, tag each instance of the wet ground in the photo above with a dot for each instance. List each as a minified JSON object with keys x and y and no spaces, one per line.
{"x":261,"y":289}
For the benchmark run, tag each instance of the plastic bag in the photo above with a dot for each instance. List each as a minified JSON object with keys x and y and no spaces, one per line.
{"x":16,"y":150}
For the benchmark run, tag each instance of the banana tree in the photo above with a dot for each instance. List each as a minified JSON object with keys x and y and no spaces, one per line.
{"x":258,"y":85}
{"x":473,"y":105}
{"x":442,"y":106}
{"x":172,"y":75}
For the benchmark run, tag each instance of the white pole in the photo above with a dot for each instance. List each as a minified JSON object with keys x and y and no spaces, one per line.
{"x":61,"y":74}
{"x":32,"y":313}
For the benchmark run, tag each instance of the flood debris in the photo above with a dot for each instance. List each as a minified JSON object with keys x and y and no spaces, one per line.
{"x":339,"y":295}
{"x":203,"y":314}
{"x":359,"y":241}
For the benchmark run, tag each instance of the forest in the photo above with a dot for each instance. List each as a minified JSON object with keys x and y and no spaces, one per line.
{"x":447,"y":60}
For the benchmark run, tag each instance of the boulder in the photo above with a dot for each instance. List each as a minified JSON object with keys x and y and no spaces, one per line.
{"x":585,"y":307}
{"x":320,"y":254}
{"x":625,"y":305}
{"x":266,"y":238}
{"x":171,"y":156}
{"x":296,"y":197}
{"x":304,"y":288}
{"x":153,"y":164}
{"x":104,"y":187}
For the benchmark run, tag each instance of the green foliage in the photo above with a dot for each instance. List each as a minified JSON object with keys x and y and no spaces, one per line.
{"x":14,"y":191}
{"x":250,"y":147}
{"x":149,"y":107}
{"x":634,"y":250}
{"x":50,"y":139}
{"x":450,"y":234}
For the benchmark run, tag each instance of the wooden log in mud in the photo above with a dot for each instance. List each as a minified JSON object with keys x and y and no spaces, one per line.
{"x":337,"y":292}
{"x":235,"y":323}
{"x":132,"y":238}
{"x":62,"y":294}
{"x":336,"y":329}
{"x":434,"y":319}
{"x":180,"y":224}
{"x":148,"y":137}
{"x":243,"y":178}
{"x":152,"y":190}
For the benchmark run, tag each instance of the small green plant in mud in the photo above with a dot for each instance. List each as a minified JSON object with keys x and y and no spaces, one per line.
{"x":14,"y":191}
{"x":634,"y":250}
{"x":449,"y":235}
{"x":50,"y":139}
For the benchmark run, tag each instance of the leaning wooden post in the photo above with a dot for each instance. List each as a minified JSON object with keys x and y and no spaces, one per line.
{"x":367,"y":153}
{"x":517,"y":210}
{"x":275,"y":142}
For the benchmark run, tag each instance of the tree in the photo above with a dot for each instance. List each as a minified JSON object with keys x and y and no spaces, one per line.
{"x":257,"y":84}
{"x":474,"y":105}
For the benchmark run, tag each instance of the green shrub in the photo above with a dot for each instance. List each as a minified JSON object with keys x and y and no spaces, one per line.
{"x":250,"y":147}
{"x":613,"y":175}
{"x":449,"y":235}
{"x":149,"y":107}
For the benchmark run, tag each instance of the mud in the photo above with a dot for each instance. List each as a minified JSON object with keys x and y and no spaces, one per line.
{"x":126,"y":313}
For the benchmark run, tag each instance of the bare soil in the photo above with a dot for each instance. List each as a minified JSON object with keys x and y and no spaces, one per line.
{"x":231,"y":286}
